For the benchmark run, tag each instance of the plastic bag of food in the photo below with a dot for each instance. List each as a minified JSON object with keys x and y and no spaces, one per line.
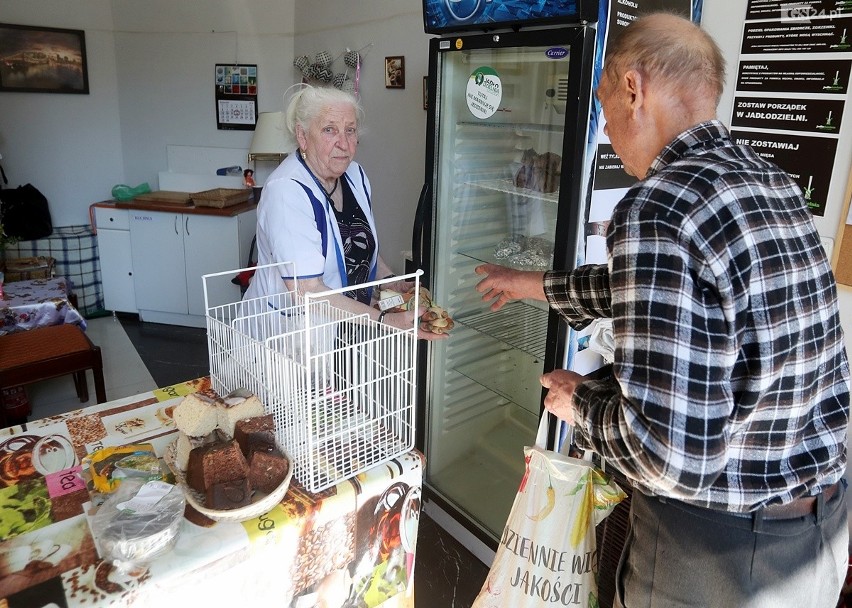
{"x":140,"y":521}
{"x":547,"y":554}
{"x":108,"y":467}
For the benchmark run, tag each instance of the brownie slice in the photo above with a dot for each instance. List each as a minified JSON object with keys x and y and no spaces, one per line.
{"x":229,"y":494}
{"x":267,"y":470}
{"x":215,"y":463}
{"x":255,"y":429}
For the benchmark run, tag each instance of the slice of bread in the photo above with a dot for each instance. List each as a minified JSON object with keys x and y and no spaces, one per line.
{"x":196,"y":415}
{"x":232,"y":409}
{"x":185,"y":444}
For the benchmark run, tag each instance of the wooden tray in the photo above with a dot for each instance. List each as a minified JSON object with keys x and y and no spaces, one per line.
{"x":221,"y":197}
{"x":164,"y":197}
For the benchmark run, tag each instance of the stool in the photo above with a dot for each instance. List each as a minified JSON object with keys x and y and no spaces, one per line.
{"x":49,"y":352}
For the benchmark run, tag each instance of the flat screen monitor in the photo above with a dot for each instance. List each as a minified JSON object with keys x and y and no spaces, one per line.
{"x":440,"y":16}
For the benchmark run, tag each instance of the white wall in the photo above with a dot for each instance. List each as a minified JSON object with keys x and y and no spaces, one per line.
{"x":166,"y":52}
{"x":393,"y":147}
{"x":68,"y":146}
{"x":151,"y":70}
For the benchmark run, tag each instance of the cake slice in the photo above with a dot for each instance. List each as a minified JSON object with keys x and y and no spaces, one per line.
{"x":215,"y":463}
{"x":267,"y":470}
{"x":252,"y":430}
{"x":232,"y":409}
{"x":196,"y":415}
{"x":229,"y":494}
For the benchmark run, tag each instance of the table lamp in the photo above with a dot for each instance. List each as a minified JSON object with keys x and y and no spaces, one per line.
{"x":269,"y":143}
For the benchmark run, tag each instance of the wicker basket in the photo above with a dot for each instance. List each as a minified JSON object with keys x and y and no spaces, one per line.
{"x":221,"y":197}
{"x":25,"y":269}
{"x":261,"y":503}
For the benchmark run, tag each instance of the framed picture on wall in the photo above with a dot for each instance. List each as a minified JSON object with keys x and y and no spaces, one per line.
{"x":394,"y":72}
{"x":43,"y":60}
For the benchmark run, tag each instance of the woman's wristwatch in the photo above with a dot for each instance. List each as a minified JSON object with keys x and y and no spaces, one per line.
{"x":382,"y":316}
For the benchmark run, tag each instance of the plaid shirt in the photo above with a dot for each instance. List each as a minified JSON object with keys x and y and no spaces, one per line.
{"x":730,"y":385}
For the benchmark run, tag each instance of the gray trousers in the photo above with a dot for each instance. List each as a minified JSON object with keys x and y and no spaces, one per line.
{"x":677,"y":555}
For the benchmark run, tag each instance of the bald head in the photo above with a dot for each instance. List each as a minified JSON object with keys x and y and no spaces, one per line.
{"x":674,"y":53}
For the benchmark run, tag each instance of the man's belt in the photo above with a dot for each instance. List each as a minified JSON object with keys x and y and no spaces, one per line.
{"x":801,"y":507}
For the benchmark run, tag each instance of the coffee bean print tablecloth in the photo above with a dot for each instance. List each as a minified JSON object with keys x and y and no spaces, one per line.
{"x":351,"y":545}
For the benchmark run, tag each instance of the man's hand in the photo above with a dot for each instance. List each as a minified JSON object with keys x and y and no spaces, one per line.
{"x":560,"y":384}
{"x":503,"y":285}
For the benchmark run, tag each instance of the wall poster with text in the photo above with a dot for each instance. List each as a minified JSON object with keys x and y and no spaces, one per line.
{"x":792,"y":83}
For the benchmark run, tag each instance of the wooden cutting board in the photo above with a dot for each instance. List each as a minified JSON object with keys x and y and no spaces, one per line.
{"x":164,"y":197}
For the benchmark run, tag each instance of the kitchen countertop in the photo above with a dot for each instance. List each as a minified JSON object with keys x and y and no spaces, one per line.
{"x":177,"y":208}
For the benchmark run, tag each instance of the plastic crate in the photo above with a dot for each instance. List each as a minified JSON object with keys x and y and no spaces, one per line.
{"x":341,"y":386}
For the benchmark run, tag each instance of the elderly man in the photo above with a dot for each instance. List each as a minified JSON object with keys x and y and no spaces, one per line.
{"x":728,"y":402}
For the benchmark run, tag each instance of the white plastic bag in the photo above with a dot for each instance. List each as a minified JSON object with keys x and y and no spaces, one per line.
{"x":547,"y":555}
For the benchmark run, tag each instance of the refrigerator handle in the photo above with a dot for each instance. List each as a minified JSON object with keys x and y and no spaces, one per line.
{"x":422,"y":227}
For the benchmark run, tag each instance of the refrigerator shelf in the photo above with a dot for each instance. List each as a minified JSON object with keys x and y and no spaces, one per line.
{"x":506,"y":186}
{"x":498,"y":374}
{"x":519,"y":325}
{"x":487,"y":255}
{"x":515,"y":126}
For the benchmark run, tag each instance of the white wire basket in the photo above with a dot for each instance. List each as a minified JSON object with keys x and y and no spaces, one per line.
{"x":341,"y":386}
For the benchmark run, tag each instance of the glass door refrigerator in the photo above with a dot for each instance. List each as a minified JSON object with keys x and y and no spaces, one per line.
{"x":506,"y":182}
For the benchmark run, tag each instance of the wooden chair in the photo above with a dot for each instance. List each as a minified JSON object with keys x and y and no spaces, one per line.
{"x":49,"y":352}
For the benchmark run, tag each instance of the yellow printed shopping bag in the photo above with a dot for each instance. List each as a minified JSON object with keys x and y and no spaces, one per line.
{"x":547,"y":554}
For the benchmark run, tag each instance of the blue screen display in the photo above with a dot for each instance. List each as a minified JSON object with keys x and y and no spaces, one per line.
{"x":449,"y":15}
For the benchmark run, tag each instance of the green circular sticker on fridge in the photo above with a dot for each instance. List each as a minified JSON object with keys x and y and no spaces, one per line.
{"x":484,"y":92}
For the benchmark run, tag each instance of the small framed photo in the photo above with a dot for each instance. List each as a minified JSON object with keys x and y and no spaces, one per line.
{"x":394,"y":72}
{"x":43,"y":60}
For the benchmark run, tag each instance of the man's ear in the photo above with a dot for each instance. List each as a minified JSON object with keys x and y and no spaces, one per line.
{"x":633,"y":84}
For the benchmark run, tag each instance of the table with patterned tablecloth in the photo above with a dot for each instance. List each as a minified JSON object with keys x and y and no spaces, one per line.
{"x":352,"y":545}
{"x":37,"y":303}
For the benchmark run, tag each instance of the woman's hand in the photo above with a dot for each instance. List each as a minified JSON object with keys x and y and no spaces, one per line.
{"x":399,"y":320}
{"x":430,"y":336}
{"x":398,"y":286}
{"x":405,"y":320}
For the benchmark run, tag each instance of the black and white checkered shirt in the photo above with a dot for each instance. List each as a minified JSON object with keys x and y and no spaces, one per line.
{"x":731,"y":382}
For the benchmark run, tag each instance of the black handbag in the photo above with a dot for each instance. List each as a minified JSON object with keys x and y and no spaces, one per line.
{"x":24,"y":213}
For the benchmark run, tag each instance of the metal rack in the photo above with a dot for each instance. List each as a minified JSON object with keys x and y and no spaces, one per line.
{"x":519,"y":325}
{"x":340,"y":386}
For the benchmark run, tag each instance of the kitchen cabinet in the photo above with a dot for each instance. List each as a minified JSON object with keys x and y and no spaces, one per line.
{"x":171,"y":251}
{"x":116,"y":263}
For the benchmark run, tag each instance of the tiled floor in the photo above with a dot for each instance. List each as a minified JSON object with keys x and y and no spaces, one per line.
{"x":141,"y":356}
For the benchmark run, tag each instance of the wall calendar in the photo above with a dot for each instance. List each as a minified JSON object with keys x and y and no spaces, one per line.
{"x":236,"y":96}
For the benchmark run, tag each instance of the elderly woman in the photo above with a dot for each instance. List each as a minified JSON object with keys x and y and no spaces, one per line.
{"x":316,"y":210}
